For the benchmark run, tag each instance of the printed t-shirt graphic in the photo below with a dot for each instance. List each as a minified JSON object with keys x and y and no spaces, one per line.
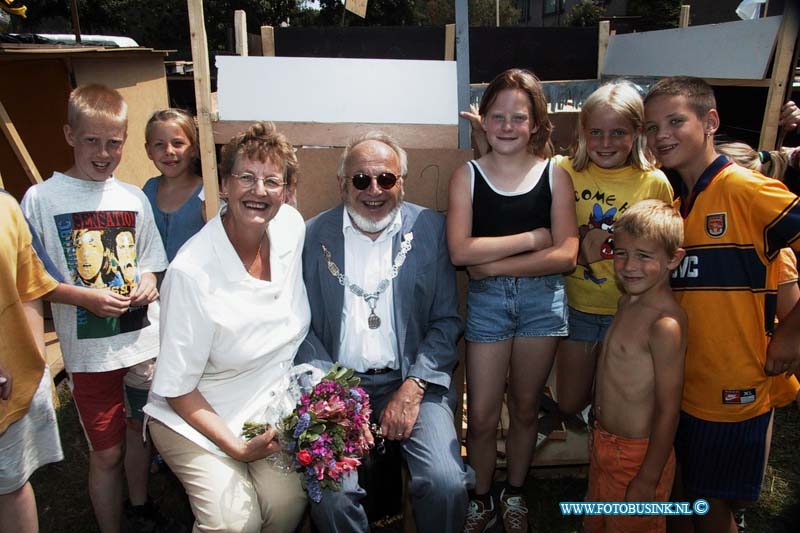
{"x":100,"y":250}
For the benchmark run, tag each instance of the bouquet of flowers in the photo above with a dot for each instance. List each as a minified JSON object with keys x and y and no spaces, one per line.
{"x":325,"y":436}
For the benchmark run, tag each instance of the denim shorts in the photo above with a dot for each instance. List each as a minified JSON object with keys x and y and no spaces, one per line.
{"x":504,"y":307}
{"x":588,"y":327}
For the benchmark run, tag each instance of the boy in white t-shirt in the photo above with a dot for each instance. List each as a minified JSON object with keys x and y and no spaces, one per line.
{"x":100,"y":233}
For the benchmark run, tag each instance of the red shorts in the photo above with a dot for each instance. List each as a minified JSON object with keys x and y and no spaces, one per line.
{"x":615,"y":462}
{"x":100,"y":400}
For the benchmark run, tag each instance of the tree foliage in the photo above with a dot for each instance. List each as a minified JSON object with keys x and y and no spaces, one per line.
{"x":379,"y":13}
{"x":162,"y":24}
{"x":585,"y":14}
{"x":656,"y":14}
{"x":481,"y":12}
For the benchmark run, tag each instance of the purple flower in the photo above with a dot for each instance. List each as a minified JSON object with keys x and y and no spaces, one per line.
{"x":312,"y":486}
{"x":302,"y":425}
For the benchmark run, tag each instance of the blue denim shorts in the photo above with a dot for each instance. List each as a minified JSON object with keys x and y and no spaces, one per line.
{"x":504,"y":307}
{"x":588,"y":327}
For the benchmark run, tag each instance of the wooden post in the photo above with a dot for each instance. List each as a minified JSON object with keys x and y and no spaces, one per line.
{"x":602,"y":44}
{"x":76,"y":21}
{"x":462,"y":69}
{"x":781,"y":78}
{"x":240,"y":32}
{"x":683,"y":21}
{"x":449,"y":42}
{"x":205,"y":113}
{"x":18,"y":147}
{"x":267,"y":41}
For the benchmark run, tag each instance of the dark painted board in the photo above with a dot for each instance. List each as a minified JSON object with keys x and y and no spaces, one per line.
{"x":552,"y":53}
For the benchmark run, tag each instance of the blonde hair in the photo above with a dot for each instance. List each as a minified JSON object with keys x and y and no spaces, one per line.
{"x":527,"y":82}
{"x":772,"y":163}
{"x":653,"y":220}
{"x":379,"y":136}
{"x":181,"y":118}
{"x":261,"y":142}
{"x":622,"y":98}
{"x":96,"y":102}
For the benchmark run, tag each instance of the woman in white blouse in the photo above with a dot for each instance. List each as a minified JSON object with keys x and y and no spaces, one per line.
{"x":233,"y":312}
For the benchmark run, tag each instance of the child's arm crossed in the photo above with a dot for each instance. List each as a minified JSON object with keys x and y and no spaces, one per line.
{"x":667,"y":346}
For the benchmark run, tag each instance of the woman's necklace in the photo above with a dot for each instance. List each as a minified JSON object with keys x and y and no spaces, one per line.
{"x":258,"y":254}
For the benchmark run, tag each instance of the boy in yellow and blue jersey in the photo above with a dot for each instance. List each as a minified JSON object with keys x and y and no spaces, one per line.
{"x":735,"y":223}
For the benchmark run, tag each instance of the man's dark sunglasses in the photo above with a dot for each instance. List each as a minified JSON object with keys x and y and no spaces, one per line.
{"x":386,"y":180}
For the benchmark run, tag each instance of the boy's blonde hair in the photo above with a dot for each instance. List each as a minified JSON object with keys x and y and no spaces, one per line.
{"x":622,"y":98}
{"x":699,"y":94}
{"x":653,"y":220}
{"x":527,"y":82}
{"x":181,"y":118}
{"x":96,"y":101}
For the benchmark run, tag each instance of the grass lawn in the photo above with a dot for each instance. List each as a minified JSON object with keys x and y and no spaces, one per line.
{"x":64,"y":507}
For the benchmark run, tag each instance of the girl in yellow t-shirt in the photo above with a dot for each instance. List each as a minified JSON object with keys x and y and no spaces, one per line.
{"x":611,"y":169}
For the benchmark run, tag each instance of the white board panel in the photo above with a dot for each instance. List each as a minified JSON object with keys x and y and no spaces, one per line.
{"x":740,"y":50}
{"x":301,"y":89}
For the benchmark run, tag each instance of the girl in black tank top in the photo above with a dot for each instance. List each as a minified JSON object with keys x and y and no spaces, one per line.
{"x":511,"y":222}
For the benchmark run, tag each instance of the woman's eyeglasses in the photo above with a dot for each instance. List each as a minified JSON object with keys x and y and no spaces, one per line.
{"x":386,"y":180}
{"x":248,"y":181}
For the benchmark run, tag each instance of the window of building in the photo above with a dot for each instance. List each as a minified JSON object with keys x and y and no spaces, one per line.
{"x":551,"y":7}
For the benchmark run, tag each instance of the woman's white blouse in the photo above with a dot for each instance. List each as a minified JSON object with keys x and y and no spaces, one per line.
{"x":231,"y":336}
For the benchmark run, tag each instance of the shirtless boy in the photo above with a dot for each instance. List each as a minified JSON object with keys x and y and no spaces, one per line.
{"x":640,"y":371}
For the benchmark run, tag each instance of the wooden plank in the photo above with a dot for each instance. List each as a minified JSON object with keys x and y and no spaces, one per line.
{"x":450,"y":42}
{"x":573,"y":450}
{"x":267,"y":41}
{"x":737,"y":82}
{"x":18,"y":147}
{"x":603,"y":32}
{"x":339,"y":134}
{"x":747,"y":49}
{"x":462,"y":42}
{"x":202,"y":92}
{"x":240,"y":31}
{"x":359,"y":7}
{"x":781,"y":78}
{"x":683,"y":21}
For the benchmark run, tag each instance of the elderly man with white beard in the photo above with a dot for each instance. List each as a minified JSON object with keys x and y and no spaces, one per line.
{"x":383,"y":301}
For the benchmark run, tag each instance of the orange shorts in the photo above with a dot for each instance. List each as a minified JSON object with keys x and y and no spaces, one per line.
{"x":615,"y":462}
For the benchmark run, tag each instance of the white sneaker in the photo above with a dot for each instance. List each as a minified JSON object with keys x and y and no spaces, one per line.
{"x":479,"y":517}
{"x":515,"y":513}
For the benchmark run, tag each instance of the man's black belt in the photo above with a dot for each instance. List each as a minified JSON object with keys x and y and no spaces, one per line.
{"x":376,"y":371}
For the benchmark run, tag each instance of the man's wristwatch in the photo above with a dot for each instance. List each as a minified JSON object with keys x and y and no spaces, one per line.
{"x":421,"y":383}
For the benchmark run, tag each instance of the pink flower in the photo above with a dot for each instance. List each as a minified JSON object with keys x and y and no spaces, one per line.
{"x":332,"y":410}
{"x":348,"y":463}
